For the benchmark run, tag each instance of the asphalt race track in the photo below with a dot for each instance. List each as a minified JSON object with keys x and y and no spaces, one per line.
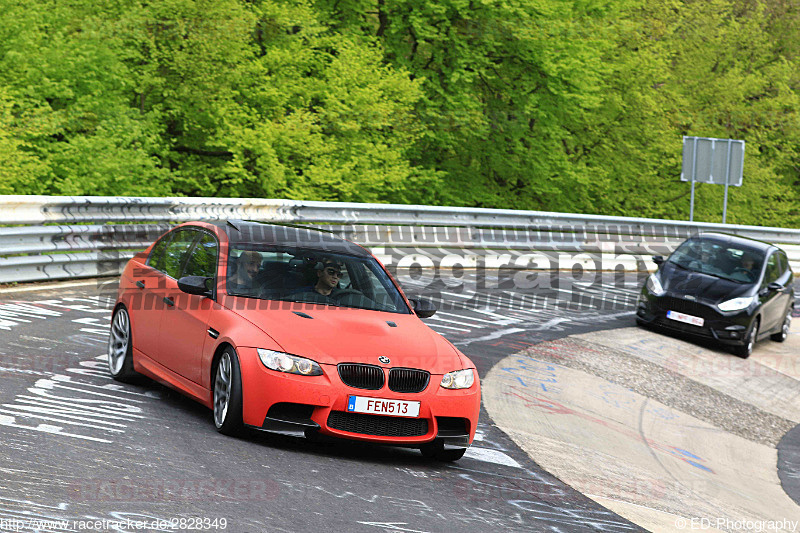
{"x":84,"y":453}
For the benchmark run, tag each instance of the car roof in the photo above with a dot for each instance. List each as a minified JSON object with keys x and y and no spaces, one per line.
{"x":242,"y":232}
{"x":736,"y":240}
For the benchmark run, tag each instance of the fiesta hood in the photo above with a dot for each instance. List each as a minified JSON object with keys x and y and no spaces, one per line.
{"x":335,"y":335}
{"x":712,"y":289}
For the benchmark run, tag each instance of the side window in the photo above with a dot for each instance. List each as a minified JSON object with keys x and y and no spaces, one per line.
{"x":785,"y":266}
{"x":203,"y":261}
{"x":773,"y":271}
{"x":177,"y":251}
{"x":156,"y":259}
{"x":781,"y":263}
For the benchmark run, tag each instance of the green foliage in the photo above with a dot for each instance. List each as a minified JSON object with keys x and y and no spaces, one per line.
{"x":323,"y":117}
{"x":563,"y":105}
{"x":726,"y":74}
{"x":19,"y":169}
{"x":508,"y":86}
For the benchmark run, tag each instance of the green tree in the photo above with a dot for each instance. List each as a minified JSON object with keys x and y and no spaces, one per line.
{"x":323,"y":117}
{"x":70,"y":84}
{"x":20,"y":170}
{"x":716,"y":68}
{"x":508,"y":86}
{"x":563,"y":105}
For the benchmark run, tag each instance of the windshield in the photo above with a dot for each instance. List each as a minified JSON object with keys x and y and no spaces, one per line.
{"x":311,"y":276}
{"x":734,"y":263}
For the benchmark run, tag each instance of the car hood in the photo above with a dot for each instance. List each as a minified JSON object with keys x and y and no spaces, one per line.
{"x":679,"y":282}
{"x":335,"y":335}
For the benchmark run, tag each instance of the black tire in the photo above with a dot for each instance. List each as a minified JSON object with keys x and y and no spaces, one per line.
{"x":749,"y":344}
{"x":435,"y":451}
{"x":227,"y":394}
{"x":783,"y":334}
{"x":120,"y":347}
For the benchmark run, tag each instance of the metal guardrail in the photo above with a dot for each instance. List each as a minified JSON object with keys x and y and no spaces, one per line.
{"x":59,"y":237}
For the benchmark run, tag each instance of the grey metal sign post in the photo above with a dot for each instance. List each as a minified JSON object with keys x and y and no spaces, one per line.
{"x":709,"y":160}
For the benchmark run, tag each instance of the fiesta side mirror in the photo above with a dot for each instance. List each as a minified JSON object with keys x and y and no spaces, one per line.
{"x":195,"y":285}
{"x":423,"y":308}
{"x":658,"y":260}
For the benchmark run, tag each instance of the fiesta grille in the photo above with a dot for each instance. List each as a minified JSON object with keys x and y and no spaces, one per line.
{"x":682,"y":305}
{"x":380,"y":426}
{"x":408,"y":380}
{"x":368,"y":377}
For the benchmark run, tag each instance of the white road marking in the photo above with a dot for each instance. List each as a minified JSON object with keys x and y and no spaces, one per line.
{"x":470,"y":318}
{"x":490,"y":337}
{"x":393,"y":526}
{"x":65,"y":401}
{"x":434,"y":326}
{"x":54,"y":286}
{"x":491,"y":456}
{"x":459,"y":322}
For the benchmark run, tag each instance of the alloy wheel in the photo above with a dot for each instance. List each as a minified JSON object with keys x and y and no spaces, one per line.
{"x":222,"y":389}
{"x":787,"y":324}
{"x":751,"y":340}
{"x":118,"y":341}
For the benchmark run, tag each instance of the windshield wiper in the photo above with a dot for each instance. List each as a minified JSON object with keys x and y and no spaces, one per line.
{"x":726,"y":278}
{"x":713,"y":275}
{"x":317,"y":302}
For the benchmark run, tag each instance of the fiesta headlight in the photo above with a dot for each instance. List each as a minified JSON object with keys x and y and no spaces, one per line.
{"x":654,"y":285}
{"x":736,"y":304}
{"x":458,"y":379}
{"x":291,"y":364}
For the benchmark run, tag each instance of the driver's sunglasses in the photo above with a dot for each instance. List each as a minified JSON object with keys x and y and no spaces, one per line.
{"x":333,"y":272}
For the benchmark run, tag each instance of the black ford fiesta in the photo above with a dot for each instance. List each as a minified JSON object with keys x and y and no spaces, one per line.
{"x":731,"y":289}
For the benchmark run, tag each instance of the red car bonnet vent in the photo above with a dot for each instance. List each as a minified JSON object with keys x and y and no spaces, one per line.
{"x":301,"y":314}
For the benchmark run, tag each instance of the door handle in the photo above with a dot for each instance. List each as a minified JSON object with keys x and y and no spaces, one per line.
{"x":169,"y":301}
{"x":140,"y":284}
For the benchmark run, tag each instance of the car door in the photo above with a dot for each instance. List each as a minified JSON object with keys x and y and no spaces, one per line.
{"x":185,"y":322}
{"x":147,"y":302}
{"x":773,"y":301}
{"x":786,"y":280}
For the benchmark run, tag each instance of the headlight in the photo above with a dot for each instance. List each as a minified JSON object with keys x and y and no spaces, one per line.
{"x":737,"y":304}
{"x":654,"y":286}
{"x":291,"y":364}
{"x":458,"y":379}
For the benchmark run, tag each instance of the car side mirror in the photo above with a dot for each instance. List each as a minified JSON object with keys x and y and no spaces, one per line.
{"x":658,"y":260}
{"x":195,"y":285}
{"x":772,"y":287}
{"x":423,"y":308}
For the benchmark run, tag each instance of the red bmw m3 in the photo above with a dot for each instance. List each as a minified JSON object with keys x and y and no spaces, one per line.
{"x":294,"y":331}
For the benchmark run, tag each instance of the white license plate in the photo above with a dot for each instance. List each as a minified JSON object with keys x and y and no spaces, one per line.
{"x":682,"y":317}
{"x":379,"y":406}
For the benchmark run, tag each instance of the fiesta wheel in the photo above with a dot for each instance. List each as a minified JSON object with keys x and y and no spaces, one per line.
{"x":783,"y":334}
{"x":746,"y":349}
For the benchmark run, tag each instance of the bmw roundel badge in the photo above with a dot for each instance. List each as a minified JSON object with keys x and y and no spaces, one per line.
{"x":385,"y":360}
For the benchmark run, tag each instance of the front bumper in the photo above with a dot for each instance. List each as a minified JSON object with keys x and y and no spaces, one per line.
{"x":726,"y":328}
{"x":300,"y":405}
